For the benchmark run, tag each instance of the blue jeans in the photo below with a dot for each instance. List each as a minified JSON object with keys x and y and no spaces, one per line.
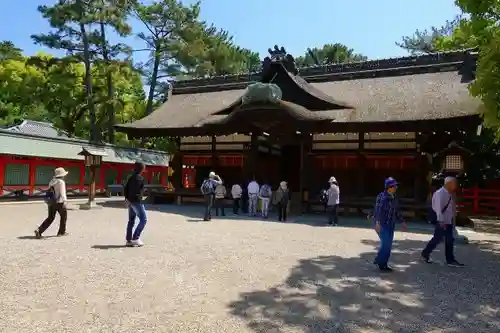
{"x":386,"y":236}
{"x":136,"y":210}
{"x":439,"y":234}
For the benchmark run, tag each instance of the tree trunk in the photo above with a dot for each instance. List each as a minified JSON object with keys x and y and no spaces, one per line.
{"x":109,"y":81}
{"x":152,"y":87}
{"x":88,"y":83}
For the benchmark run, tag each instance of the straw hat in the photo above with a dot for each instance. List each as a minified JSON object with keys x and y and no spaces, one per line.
{"x":211,"y":174}
{"x":60,"y":172}
{"x":332,"y":180}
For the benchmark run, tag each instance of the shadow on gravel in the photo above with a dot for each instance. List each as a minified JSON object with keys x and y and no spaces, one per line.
{"x":32,"y":237}
{"x":336,"y":294}
{"x":108,"y":247}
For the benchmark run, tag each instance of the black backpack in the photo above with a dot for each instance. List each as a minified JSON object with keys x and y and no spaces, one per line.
{"x":207,"y":187}
{"x":323,"y":196}
{"x":50,"y":196}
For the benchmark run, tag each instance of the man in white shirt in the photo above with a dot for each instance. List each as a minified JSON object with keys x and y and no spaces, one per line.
{"x":253,"y":197}
{"x":236,"y":192}
{"x":444,"y":206}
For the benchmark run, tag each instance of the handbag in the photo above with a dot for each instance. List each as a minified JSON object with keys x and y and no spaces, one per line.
{"x":432,"y":214}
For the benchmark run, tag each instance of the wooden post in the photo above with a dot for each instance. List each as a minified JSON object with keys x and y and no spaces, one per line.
{"x":361,"y":165}
{"x":213,"y":149}
{"x":301,"y":180}
{"x":254,"y":149}
{"x":420,"y":170}
{"x":92,"y":169}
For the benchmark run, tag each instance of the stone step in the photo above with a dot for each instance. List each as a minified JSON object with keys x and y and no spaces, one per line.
{"x":489,"y":226}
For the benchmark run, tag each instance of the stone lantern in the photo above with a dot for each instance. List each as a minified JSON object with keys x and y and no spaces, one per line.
{"x":453,"y":160}
{"x":93,"y":159}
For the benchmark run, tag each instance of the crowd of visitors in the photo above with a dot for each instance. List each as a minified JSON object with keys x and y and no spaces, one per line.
{"x":255,"y":198}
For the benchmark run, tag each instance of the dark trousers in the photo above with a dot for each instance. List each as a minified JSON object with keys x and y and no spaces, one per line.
{"x":219,"y":205}
{"x":386,"y":236}
{"x":439,"y":234}
{"x":244,"y":204}
{"x":135,"y":210}
{"x":209,"y":202}
{"x":333,"y":217}
{"x":236,"y":205}
{"x":281,"y":212}
{"x":53,"y":209}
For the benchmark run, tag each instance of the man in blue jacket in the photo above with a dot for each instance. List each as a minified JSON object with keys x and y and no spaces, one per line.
{"x":386,"y":215}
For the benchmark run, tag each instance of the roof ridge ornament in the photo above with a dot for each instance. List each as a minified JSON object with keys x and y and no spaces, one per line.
{"x":262,"y":92}
{"x":279,"y":56}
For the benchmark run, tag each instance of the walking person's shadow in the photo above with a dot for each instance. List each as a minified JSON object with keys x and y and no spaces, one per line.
{"x":108,"y":247}
{"x":30,"y":237}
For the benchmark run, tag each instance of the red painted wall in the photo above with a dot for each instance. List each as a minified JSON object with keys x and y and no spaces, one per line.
{"x":34,"y":162}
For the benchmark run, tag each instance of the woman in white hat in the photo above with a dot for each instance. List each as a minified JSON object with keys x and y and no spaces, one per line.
{"x":56,"y":202}
{"x":333,"y":200}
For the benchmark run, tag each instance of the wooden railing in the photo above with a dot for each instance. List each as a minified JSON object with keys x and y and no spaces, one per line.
{"x":477,"y":201}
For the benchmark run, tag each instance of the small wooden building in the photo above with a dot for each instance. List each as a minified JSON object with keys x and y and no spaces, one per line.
{"x":360,"y":122}
{"x":30,"y":152}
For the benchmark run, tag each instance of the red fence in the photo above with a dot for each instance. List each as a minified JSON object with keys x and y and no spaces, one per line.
{"x":30,"y":175}
{"x":479,"y":201}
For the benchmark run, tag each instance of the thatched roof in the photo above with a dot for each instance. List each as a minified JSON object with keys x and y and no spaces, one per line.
{"x":417,"y":97}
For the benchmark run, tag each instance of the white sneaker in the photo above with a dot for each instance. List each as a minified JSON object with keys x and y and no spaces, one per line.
{"x":129,"y":244}
{"x":137,"y":243}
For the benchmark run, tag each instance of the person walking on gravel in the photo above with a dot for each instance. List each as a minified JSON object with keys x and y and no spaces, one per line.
{"x":133,"y":197}
{"x":56,"y":203}
{"x":444,"y":208}
{"x":386,"y":215}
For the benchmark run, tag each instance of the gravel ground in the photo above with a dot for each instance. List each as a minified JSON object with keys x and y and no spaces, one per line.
{"x":234,"y":275}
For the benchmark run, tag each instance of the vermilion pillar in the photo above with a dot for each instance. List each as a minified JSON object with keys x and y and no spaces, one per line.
{"x":82,"y":178}
{"x":3,"y":163}
{"x":32,"y":173}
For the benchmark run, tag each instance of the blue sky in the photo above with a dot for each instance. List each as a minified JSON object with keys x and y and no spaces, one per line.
{"x":369,"y":27}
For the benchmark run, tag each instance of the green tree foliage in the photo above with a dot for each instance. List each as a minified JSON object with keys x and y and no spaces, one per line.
{"x":72,"y":32}
{"x":425,"y":41}
{"x":482,"y":31}
{"x":168,"y":30}
{"x":112,"y":14}
{"x":216,"y":54}
{"x":9,"y":51}
{"x":329,"y":54}
{"x":97,"y":82}
{"x":19,"y":83}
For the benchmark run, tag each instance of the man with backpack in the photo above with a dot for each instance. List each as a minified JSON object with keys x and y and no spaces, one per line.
{"x":265,"y":196}
{"x":208,"y":190}
{"x":386,"y":215}
{"x":443,"y":217}
{"x":134,"y":192}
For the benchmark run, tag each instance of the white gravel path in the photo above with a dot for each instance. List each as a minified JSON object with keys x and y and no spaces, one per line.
{"x":233,"y":276}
